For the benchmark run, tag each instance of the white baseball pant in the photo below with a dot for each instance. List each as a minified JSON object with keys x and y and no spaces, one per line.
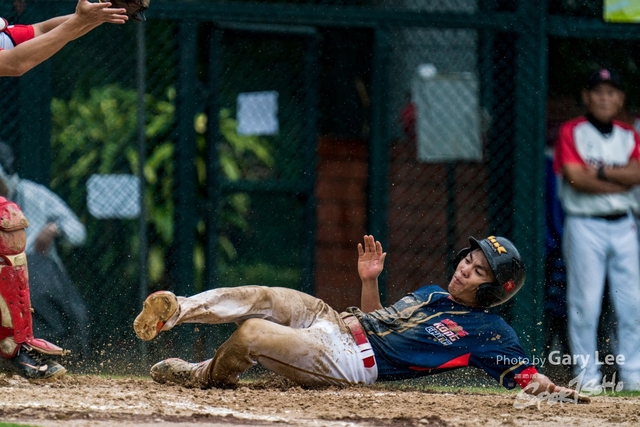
{"x":288,"y":332}
{"x":595,"y":249}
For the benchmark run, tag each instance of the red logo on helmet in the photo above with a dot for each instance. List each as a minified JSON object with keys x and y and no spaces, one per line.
{"x":509,"y":286}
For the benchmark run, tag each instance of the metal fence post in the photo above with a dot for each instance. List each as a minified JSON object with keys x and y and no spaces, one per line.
{"x":214,"y":190}
{"x":378,"y":191}
{"x":529,"y":207}
{"x":311,"y":159}
{"x":34,"y":149}
{"x":142,"y":220}
{"x":185,"y":186}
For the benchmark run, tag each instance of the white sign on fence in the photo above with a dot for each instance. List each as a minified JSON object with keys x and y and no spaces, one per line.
{"x":113,"y":196}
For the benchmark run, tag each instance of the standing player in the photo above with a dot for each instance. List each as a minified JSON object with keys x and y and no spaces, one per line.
{"x":22,"y":47}
{"x":597,"y":159}
{"x":300,"y":337}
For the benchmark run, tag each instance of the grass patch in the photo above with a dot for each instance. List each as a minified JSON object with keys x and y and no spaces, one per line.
{"x":432,"y":388}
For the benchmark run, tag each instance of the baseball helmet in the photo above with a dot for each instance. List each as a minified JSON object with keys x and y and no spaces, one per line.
{"x":505,"y":263}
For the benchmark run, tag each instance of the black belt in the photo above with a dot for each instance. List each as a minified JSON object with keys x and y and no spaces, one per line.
{"x":612,"y":217}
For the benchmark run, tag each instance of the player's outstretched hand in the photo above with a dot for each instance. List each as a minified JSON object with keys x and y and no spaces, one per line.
{"x":571,"y":394}
{"x":93,"y":14}
{"x":543,"y":387}
{"x":370,"y":259}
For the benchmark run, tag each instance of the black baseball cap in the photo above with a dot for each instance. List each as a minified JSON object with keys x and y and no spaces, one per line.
{"x":604,"y":75}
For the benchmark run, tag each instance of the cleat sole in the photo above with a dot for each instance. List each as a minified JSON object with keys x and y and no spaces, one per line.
{"x":156,"y":310}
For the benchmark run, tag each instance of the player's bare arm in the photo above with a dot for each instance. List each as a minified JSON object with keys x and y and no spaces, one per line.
{"x":90,"y":15}
{"x":370,"y":265}
{"x":45,"y":26}
{"x":46,"y":237}
{"x":585,"y":179}
{"x":25,"y":56}
{"x":628,"y":175}
{"x":542,"y":384}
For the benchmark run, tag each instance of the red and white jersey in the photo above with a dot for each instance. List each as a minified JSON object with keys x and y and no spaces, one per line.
{"x":13,"y":35}
{"x":579,"y":142}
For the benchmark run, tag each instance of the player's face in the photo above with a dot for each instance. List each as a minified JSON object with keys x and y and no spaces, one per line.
{"x":603,"y":101}
{"x":472,"y":271}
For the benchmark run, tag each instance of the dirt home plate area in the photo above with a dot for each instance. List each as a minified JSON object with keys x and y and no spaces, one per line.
{"x":116,"y":401}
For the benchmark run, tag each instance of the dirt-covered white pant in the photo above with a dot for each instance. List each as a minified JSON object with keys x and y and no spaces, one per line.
{"x":288,"y":332}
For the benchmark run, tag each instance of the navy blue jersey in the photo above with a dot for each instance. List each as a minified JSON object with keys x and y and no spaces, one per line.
{"x":426,"y":332}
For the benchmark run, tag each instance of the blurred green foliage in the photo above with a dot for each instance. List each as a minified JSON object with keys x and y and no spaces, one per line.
{"x":96,"y":133}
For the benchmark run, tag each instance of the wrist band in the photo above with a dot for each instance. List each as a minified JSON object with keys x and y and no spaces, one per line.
{"x":600,"y":173}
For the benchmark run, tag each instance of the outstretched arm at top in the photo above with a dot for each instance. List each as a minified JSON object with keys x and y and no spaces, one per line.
{"x":370,"y":265}
{"x":45,"y":26}
{"x":95,"y":14}
{"x":54,"y":34}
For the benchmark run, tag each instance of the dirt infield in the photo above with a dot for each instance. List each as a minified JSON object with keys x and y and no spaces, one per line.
{"x":99,"y":401}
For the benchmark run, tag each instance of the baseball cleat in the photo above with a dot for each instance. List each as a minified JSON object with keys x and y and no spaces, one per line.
{"x":33,"y":366}
{"x":176,"y":371}
{"x":156,"y":310}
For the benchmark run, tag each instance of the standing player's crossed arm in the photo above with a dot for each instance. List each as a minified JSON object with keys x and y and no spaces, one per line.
{"x":584,"y":178}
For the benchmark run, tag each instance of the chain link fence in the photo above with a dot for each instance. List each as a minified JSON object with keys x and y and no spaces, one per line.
{"x":225,"y":152}
{"x":440,"y":158}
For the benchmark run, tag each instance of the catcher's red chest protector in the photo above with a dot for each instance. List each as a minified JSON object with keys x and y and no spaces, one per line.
{"x":15,"y":303}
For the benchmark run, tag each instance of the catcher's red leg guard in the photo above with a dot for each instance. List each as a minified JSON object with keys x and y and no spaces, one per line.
{"x":15,"y":303}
